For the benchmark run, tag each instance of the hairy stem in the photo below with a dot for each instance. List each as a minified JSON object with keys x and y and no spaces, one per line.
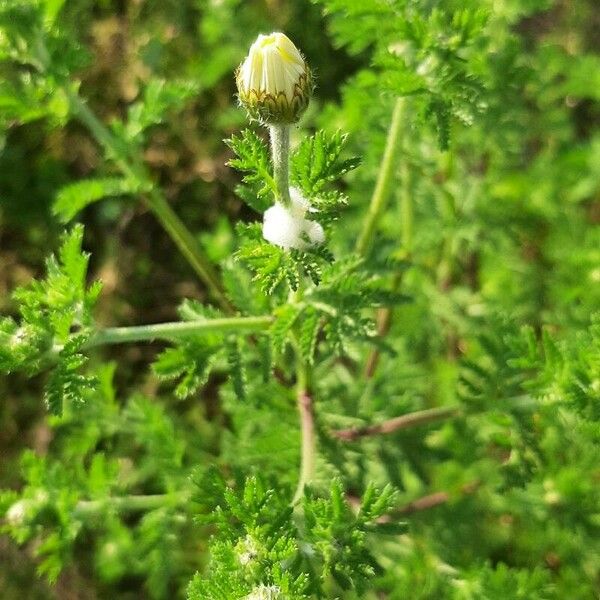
{"x":177,"y":329}
{"x":385,"y":179}
{"x":125,"y":504}
{"x":134,"y":169}
{"x":413,"y":419}
{"x":280,"y":155}
{"x":307,"y":427}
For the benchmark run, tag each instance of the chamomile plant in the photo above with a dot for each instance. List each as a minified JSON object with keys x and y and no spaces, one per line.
{"x":309,"y":306}
{"x":385,"y":383}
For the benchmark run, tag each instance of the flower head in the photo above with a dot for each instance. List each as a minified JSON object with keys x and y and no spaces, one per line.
{"x":274,"y":81}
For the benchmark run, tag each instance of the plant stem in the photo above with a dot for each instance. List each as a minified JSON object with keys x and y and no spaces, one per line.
{"x":384,"y":323}
{"x":384,"y":315}
{"x":177,"y":329}
{"x":130,"y":503}
{"x":406,"y":208}
{"x":432,"y":500}
{"x":188,"y":246}
{"x":280,"y":155}
{"x":420,"y":417}
{"x":307,"y":426}
{"x":385,"y":179}
{"x":423,"y":503}
{"x":135,"y":170}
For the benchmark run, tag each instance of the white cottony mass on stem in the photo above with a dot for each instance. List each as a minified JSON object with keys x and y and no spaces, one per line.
{"x":274,"y":81}
{"x":288,"y":227}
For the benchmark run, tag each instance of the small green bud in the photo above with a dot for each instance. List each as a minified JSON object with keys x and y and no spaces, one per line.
{"x":274,"y":82}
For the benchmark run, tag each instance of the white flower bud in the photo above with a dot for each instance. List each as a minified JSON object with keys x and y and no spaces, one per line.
{"x":287,"y":227}
{"x":274,"y":81}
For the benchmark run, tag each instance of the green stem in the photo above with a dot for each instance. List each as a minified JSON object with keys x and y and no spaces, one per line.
{"x":307,"y":427}
{"x":127,"y":504}
{"x":385,"y":179}
{"x":406,"y":209}
{"x":280,"y":155}
{"x":155,"y":200}
{"x":116,"y":151}
{"x":384,"y":315}
{"x":177,"y":329}
{"x":188,"y":246}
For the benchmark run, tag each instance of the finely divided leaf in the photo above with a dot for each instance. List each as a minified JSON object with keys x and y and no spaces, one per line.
{"x":317,"y":162}
{"x":285,"y":317}
{"x":189,"y":363}
{"x":236,"y":366}
{"x":74,"y":197}
{"x":254,"y":161}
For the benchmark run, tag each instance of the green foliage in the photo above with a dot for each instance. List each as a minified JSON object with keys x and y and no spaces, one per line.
{"x":335,"y":308}
{"x":70,"y":496}
{"x":73,"y":198}
{"x":316,"y":162}
{"x":253,"y":160}
{"x":190,"y":362}
{"x":450,"y":377}
{"x":273,"y":266}
{"x":191,"y":359}
{"x":337,"y":537}
{"x":35,"y":54}
{"x":260,"y":551}
{"x":504,"y":583}
{"x":55,"y":322}
{"x":430,"y":52}
{"x":158,"y":98}
{"x":236,"y":366}
{"x":66,"y":385}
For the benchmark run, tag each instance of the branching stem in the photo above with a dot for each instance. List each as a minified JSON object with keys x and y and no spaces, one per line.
{"x":135,"y":170}
{"x":432,"y":500}
{"x":177,"y":329}
{"x":413,"y":419}
{"x":280,"y":156}
{"x":128,"y":504}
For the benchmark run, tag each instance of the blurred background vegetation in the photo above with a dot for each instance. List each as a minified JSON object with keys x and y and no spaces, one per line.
{"x":530,"y":250}
{"x":127,"y":44}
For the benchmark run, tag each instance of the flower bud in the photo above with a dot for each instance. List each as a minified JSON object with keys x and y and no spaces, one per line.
{"x":274,"y":82}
